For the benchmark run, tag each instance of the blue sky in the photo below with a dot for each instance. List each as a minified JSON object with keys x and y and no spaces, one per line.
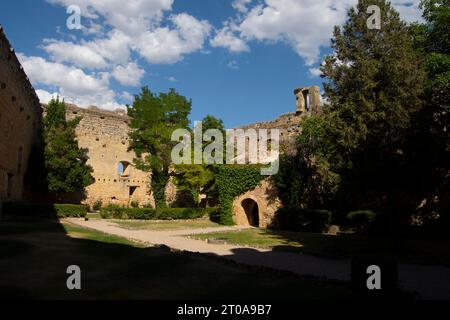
{"x":237,"y":60}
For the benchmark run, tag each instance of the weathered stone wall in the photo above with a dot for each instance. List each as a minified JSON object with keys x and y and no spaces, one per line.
{"x":20,"y":119}
{"x":266,"y":197}
{"x":104,"y":135}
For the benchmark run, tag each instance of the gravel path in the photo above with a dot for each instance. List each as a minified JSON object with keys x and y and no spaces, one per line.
{"x":431,"y":282}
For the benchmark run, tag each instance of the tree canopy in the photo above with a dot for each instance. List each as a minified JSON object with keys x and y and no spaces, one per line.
{"x":65,"y":162}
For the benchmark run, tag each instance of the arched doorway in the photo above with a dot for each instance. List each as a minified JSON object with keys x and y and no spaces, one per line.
{"x":251,"y":211}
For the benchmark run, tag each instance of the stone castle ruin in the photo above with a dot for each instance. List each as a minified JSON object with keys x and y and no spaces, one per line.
{"x":307,"y":100}
{"x":104,"y":135}
{"x":20,"y":120}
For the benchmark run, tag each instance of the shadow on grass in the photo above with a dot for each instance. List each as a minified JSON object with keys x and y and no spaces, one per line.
{"x":35,"y":254}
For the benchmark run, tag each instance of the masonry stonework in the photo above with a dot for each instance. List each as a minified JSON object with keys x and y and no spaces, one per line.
{"x":20,"y":120}
{"x":104,"y":135}
{"x":258,"y":207}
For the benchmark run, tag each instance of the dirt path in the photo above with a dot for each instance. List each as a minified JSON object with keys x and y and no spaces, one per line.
{"x":431,"y":282}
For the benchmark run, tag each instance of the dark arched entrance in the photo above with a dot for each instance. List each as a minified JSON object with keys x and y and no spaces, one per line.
{"x":252,"y":212}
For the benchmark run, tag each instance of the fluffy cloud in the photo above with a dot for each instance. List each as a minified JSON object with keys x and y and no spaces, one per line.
{"x":71,"y":83}
{"x":315,"y":72}
{"x":115,"y":47}
{"x":129,"y":75}
{"x":305,"y":25}
{"x":241,"y":5}
{"x":165,"y":45}
{"x":80,"y":70}
{"x":130,"y":16}
{"x":45,"y":96}
{"x":226,"y":38}
{"x":408,"y":9}
{"x":79,"y":55}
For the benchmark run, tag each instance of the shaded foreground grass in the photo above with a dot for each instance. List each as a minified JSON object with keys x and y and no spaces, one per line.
{"x":409,"y":250}
{"x":161,"y":225}
{"x":34,"y":256}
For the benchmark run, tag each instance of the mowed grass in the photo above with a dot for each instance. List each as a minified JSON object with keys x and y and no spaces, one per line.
{"x":34,"y":256}
{"x":408,"y":250}
{"x":162,"y":225}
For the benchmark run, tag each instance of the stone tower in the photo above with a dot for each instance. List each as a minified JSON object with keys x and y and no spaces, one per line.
{"x":308,"y":99}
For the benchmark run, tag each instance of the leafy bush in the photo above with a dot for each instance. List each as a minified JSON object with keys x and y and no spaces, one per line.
{"x":97,"y":205}
{"x":307,"y":220}
{"x":117,"y":212}
{"x":134,"y":204}
{"x":361,"y":219}
{"x":45,"y":210}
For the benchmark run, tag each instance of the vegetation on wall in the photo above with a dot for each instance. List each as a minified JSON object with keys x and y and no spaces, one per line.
{"x":65,"y":162}
{"x":234,"y":180}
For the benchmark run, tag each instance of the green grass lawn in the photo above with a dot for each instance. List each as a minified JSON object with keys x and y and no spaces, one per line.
{"x":161,"y":225}
{"x":35,"y":254}
{"x":409,"y":250}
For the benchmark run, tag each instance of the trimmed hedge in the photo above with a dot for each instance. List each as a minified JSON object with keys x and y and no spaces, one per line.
{"x":117,"y":212}
{"x":361,"y":219}
{"x":44,"y":210}
{"x":307,"y":220}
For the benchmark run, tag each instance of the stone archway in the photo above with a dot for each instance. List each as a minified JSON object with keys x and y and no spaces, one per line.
{"x":263,"y":200}
{"x":251,"y":210}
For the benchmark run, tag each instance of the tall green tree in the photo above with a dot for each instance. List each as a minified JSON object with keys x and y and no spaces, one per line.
{"x":429,"y":147}
{"x":153,"y":120}
{"x":200,"y":178}
{"x":374,"y":85}
{"x":65,"y":162}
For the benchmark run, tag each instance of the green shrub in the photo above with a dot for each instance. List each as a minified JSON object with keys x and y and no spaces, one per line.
{"x":361,"y":219}
{"x":117,"y":212}
{"x":306,"y":220}
{"x":45,"y":210}
{"x":97,"y":205}
{"x":134,"y":204}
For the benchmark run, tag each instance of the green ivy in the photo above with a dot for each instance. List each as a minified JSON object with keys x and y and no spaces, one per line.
{"x":232,"y":181}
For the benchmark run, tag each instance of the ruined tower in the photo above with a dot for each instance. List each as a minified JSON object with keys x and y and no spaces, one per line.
{"x":308,"y":99}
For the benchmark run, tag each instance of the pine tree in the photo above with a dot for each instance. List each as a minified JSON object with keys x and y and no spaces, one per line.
{"x":375,"y":85}
{"x":65,"y":162}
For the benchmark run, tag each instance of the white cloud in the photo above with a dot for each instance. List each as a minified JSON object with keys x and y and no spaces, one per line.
{"x":172,"y":79}
{"x":115,"y":47}
{"x":305,"y":25}
{"x":241,"y":5}
{"x":45,"y":96}
{"x":315,"y":72}
{"x":127,"y":97}
{"x":166,"y":46}
{"x":408,"y":9}
{"x":227,"y":39}
{"x":79,"y":55}
{"x":128,"y":16}
{"x":129,"y":75}
{"x":71,"y":83}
